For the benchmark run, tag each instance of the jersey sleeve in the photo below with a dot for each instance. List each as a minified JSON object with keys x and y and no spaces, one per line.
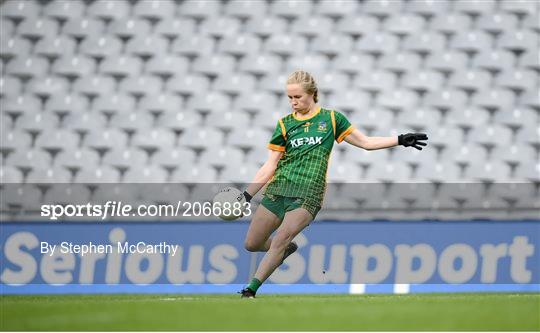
{"x":343,"y":126}
{"x":278,"y":141}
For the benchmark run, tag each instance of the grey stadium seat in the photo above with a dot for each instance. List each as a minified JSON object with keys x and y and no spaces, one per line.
{"x":123,"y":159}
{"x":173,"y":27}
{"x":166,"y":66}
{"x":154,"y":140}
{"x":442,"y":137}
{"x":120,"y":67}
{"x":172,"y":159}
{"x":469,"y":117}
{"x":532,"y":22}
{"x":128,"y":27}
{"x":332,"y":82}
{"x":446,"y":99}
{"x":26,"y":160}
{"x":404,"y":24}
{"x":104,"y":140}
{"x":239,"y":173}
{"x":64,"y":10}
{"x":19,"y":10}
{"x":450,"y":23}
{"x":376,"y":81}
{"x":518,"y":41}
{"x":16,"y":106}
{"x":470,"y":80}
{"x":158,"y":104}
{"x":248,"y":138}
{"x":488,"y":171}
{"x":210,"y":102}
{"x":377,"y":43}
{"x":26,"y":67}
{"x":76,"y":159}
{"x":222,"y":157}
{"x":9,"y":175}
{"x":197,"y":174}
{"x":74,"y":67}
{"x":201,"y":138}
{"x":246,"y":9}
{"x":292,"y":9}
{"x":36,"y":29}
{"x":423,"y":81}
{"x":36,"y":123}
{"x":147,"y":46}
{"x":9,"y":86}
{"x":388,"y":173}
{"x":142,"y":85}
{"x":154,"y":10}
{"x":234,"y":84}
{"x":132,"y":123}
{"x":254,"y":101}
{"x":109,"y":9}
{"x":113,"y":103}
{"x":240,"y":45}
{"x":530,"y":60}
{"x":14,"y":47}
{"x":349,"y":100}
{"x":200,"y":9}
{"x":14,"y":141}
{"x":266,"y":26}
{"x":54,"y":47}
{"x":438,"y":172}
{"x":446,"y":61}
{"x":47,"y":86}
{"x":427,"y":8}
{"x":520,"y":7}
{"x":494,"y":60}
{"x":312,"y":26}
{"x":193,"y":45}
{"x":83,"y":27}
{"x":188,"y":84}
{"x":397,"y":100}
{"x":228,"y":120}
{"x":517,"y":118}
{"x":475,"y":7}
{"x":344,"y":172}
{"x":286,"y":44}
{"x":496,"y":23}
{"x":67,"y":194}
{"x":420,"y":120}
{"x":332,"y":45}
{"x":7,"y":29}
{"x":491,"y":136}
{"x":424,"y":43}
{"x":101,"y":174}
{"x":94,"y":85}
{"x":100,"y":47}
{"x":382,"y":9}
{"x":494,"y":99}
{"x":55,"y":140}
{"x":514,"y":155}
{"x":336,"y":9}
{"x":85,"y":122}
{"x":260,"y":64}
{"x":400,"y":62}
{"x":516,"y":80}
{"x":357,"y":25}
{"x":471,"y":41}
{"x":530,"y":99}
{"x":353,"y":63}
{"x":64,"y":104}
{"x":221,"y":27}
{"x":179,"y":121}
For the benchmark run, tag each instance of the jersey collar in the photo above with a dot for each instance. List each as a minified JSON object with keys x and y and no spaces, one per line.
{"x":302,"y":119}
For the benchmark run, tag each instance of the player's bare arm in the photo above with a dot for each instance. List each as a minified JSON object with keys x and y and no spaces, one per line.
{"x":358,"y":139}
{"x":265,"y":173}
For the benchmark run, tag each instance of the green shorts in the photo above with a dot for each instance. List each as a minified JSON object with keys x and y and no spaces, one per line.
{"x":280,"y":205}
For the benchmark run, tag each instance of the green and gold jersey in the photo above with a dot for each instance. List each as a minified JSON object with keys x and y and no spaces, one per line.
{"x":307,"y":144}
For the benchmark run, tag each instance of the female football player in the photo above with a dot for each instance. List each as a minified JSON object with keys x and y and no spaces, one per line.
{"x":296,"y":173}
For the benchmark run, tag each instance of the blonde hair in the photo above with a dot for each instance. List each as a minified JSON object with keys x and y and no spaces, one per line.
{"x":307,"y":82}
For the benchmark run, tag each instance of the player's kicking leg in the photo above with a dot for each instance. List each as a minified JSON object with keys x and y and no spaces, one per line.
{"x":280,"y":247}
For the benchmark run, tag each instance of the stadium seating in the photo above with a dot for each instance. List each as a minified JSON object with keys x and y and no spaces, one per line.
{"x":191,"y":90}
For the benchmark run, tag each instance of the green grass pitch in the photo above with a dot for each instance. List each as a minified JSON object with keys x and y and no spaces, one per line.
{"x":432,"y":312}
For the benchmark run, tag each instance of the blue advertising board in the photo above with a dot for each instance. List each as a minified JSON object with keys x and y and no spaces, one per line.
{"x":333,"y":257}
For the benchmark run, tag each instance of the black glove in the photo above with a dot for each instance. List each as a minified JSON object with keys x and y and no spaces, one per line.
{"x":412,"y":140}
{"x":247,"y":196}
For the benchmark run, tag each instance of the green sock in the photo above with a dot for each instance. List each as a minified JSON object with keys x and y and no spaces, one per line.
{"x":254,"y":284}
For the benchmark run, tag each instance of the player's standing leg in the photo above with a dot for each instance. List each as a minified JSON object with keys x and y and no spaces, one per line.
{"x":294,"y":222}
